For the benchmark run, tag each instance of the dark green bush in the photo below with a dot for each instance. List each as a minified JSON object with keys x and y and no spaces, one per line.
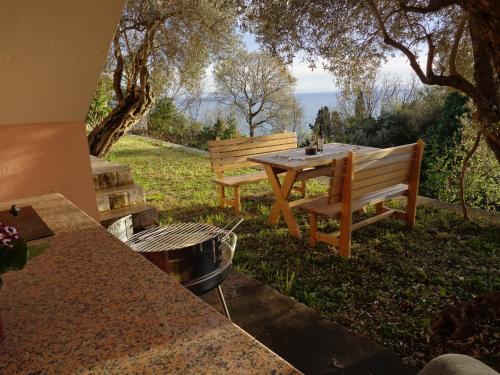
{"x":443,"y":120}
{"x":165,"y":122}
{"x":443,"y":166}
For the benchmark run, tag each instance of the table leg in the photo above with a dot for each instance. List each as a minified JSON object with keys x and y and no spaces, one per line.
{"x":281,"y":205}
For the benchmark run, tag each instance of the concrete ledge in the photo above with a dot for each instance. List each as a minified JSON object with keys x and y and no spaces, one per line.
{"x":300,"y":335}
{"x":491,"y":216}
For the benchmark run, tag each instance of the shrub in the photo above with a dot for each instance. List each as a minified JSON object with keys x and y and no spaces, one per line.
{"x":100,"y":105}
{"x":443,"y":119}
{"x":389,"y":129}
{"x":224,"y":128}
{"x":482,"y":178}
{"x":165,"y":122}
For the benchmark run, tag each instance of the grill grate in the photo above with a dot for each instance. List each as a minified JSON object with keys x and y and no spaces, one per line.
{"x":172,"y":237}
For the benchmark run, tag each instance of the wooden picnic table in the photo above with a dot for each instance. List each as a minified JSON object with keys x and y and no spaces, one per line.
{"x":298,"y":166}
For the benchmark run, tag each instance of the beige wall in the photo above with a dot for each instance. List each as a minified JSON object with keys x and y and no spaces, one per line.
{"x":51,"y":55}
{"x":43,"y":158}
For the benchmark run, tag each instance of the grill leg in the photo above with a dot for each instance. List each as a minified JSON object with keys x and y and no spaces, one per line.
{"x":223,"y":303}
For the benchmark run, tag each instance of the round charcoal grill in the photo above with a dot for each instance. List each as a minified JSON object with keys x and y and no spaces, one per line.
{"x":199,"y":256}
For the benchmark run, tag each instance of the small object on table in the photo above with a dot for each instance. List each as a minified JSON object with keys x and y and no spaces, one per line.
{"x":311,"y":150}
{"x":27,"y":221}
{"x":14,"y":210}
{"x":320,"y":140}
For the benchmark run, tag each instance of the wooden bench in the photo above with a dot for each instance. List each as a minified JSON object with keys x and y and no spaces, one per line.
{"x":232,"y":154}
{"x":367,"y":179}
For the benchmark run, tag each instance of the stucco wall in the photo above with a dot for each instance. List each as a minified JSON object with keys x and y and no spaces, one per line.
{"x":43,"y":158}
{"x":51,"y":56}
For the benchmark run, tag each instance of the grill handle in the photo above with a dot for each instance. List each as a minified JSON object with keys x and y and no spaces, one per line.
{"x":232,"y":242}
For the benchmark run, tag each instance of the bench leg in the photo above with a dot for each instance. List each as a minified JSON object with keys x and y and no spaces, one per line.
{"x":313,"y":229}
{"x":411,"y":204}
{"x":346,"y":209}
{"x":345,"y":235}
{"x":301,"y":189}
{"x":237,"y":202}
{"x":361,"y":211}
{"x":281,"y":204}
{"x":411,"y":210}
{"x":222,"y":195}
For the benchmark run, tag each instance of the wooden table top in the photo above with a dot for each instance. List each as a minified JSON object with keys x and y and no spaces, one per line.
{"x":298,"y":160}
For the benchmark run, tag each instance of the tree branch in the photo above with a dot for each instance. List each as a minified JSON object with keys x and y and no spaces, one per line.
{"x":452,"y":68}
{"x":456,"y":81}
{"x":394,"y":43}
{"x":118,"y":73}
{"x":461,"y":182}
{"x":143,"y":55}
{"x":430,"y":56}
{"x":432,"y":6}
{"x":264,"y":120}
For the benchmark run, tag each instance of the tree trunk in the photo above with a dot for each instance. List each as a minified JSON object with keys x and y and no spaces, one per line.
{"x":121,"y":119}
{"x":252,"y":130}
{"x":487,"y":80}
{"x":490,"y":128}
{"x":461,"y":182}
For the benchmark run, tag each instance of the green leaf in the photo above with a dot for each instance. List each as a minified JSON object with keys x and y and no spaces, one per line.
{"x":14,"y":258}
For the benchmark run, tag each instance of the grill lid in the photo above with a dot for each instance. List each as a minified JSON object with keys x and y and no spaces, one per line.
{"x":173,"y":237}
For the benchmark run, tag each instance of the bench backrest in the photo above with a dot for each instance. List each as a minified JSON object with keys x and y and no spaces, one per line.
{"x":361,"y":174}
{"x":233,"y":153}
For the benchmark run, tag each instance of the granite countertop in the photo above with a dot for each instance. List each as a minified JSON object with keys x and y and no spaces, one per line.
{"x":89,"y":304}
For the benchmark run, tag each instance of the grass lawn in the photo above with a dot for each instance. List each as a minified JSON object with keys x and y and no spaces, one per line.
{"x":393,"y":289}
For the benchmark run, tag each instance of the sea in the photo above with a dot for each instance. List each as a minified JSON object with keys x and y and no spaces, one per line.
{"x":310,"y":102}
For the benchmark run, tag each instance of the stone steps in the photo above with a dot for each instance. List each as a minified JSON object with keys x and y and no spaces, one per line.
{"x":117,"y":195}
{"x":107,"y":175}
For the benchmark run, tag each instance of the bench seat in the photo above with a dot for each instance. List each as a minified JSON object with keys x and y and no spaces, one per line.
{"x":359,"y":180}
{"x":241,"y":179}
{"x":232,"y":154}
{"x":321,"y":207}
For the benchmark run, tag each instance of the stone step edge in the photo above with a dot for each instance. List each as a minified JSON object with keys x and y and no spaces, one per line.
{"x":113,"y":179}
{"x":119,"y":189}
{"x":124,"y":211}
{"x":120,"y":197}
{"x":108,"y":174}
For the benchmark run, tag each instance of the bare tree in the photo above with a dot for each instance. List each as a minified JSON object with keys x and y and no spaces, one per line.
{"x":159,"y":44}
{"x":290,"y":119}
{"x":258,"y":86}
{"x":297,"y":116}
{"x":376,"y":94}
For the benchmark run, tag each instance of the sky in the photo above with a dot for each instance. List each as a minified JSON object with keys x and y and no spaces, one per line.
{"x":320,"y":80}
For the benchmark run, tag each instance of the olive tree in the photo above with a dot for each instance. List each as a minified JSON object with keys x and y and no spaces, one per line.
{"x":159,"y":42}
{"x":452,"y":43}
{"x":259,"y":87}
